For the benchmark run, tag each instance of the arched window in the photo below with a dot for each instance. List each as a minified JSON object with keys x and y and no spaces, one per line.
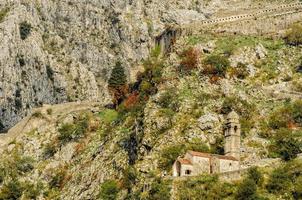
{"x":235,"y":128}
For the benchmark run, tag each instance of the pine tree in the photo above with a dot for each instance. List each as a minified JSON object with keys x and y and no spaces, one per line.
{"x":117,"y":84}
{"x":118,"y":77}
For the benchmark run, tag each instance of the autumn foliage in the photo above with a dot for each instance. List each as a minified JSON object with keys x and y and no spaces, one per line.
{"x":132,"y":100}
{"x":189,"y":59}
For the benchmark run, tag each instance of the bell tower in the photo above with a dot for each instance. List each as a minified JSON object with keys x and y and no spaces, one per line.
{"x":232,"y":133}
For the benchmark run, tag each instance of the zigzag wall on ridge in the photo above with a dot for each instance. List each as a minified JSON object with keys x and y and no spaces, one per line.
{"x":265,"y":21}
{"x":254,"y":26}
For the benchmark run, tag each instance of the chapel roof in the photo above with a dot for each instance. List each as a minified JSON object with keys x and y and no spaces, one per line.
{"x":208,"y":155}
{"x":184,"y":161}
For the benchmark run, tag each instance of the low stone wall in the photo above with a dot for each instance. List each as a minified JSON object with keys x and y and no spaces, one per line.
{"x":233,"y":175}
{"x":25,"y":126}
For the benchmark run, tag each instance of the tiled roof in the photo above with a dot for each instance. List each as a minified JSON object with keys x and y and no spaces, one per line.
{"x":199,"y":154}
{"x":208,"y":155}
{"x":184,"y":161}
{"x":225,"y":157}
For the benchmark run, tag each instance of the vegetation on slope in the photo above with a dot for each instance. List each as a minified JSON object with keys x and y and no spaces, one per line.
{"x":124,"y":152}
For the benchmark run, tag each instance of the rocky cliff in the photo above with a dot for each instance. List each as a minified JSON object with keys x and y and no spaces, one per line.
{"x":58,"y":51}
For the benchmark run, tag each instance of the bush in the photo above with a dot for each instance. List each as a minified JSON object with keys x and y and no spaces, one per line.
{"x":294,"y":35}
{"x":108,"y":116}
{"x":129,"y":178}
{"x":24,"y":164}
{"x":189,"y":59}
{"x":240,"y":71}
{"x":255,"y":175}
{"x":247,"y":190}
{"x":278,"y":181}
{"x":25,"y":29}
{"x":109,"y":190}
{"x":31,"y":191}
{"x":160,"y":189}
{"x":11,"y":190}
{"x":49,"y":150}
{"x":285,"y":145}
{"x":216,"y":65}
{"x":204,"y":187}
{"x":75,"y":131}
{"x":283,"y":178}
{"x":3,"y":13}
{"x":169,"y":155}
{"x":169,"y":99}
{"x":297,"y":191}
{"x":59,"y":178}
{"x":132,"y":100}
{"x":37,"y":114}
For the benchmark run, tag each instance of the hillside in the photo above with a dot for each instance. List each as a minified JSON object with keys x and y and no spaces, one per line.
{"x":176,"y":101}
{"x":72,"y":154}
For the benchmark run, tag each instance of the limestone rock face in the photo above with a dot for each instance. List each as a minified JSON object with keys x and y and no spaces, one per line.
{"x":59,"y":51}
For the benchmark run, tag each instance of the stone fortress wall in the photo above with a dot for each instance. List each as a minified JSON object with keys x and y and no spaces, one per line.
{"x":261,"y":21}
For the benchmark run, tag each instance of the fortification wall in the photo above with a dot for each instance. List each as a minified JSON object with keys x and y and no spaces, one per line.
{"x":263,"y":21}
{"x":274,"y":24}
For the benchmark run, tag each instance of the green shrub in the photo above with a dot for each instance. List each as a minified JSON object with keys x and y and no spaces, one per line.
{"x":279,"y":181}
{"x":294,"y":35}
{"x":241,"y":71}
{"x":129,"y":178}
{"x":160,"y":189}
{"x":11,"y":190}
{"x":37,"y":114}
{"x":282,"y":179}
{"x":255,"y":175}
{"x":25,"y":29}
{"x":49,"y":111}
{"x":297,"y":191}
{"x":109,"y":190}
{"x":218,"y":147}
{"x":204,"y":187}
{"x":3,"y":13}
{"x":24,"y":164}
{"x":169,"y":99}
{"x":49,"y":150}
{"x":59,"y":178}
{"x":31,"y":191}
{"x":285,"y":145}
{"x":216,"y":65}
{"x":75,"y":131}
{"x":108,"y":116}
{"x":247,"y":190}
{"x":169,"y":155}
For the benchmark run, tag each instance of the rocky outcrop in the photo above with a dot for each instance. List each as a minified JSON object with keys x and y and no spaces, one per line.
{"x":59,"y":51}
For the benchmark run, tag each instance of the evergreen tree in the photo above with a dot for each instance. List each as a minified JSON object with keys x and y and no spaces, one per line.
{"x":118,"y":84}
{"x":118,"y":77}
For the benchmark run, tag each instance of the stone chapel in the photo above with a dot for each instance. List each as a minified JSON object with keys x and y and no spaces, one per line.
{"x":196,"y":163}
